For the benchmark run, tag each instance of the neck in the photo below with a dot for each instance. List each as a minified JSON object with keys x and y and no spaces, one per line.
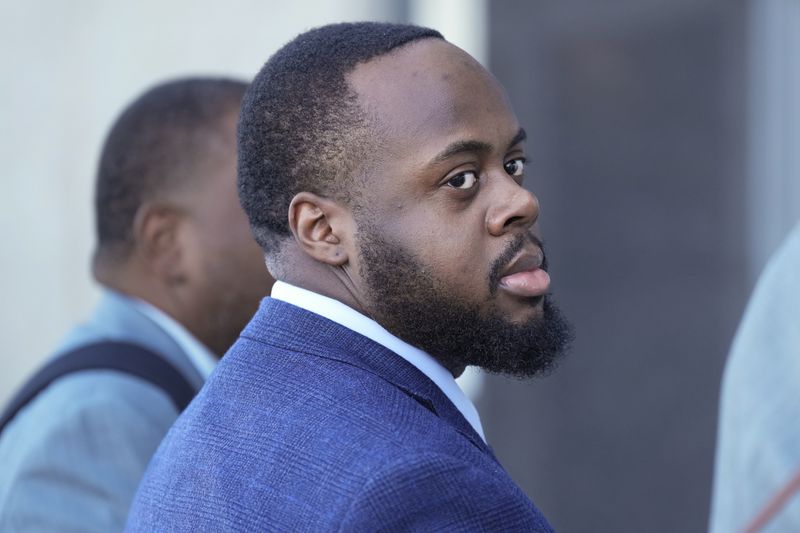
{"x":335,"y":282}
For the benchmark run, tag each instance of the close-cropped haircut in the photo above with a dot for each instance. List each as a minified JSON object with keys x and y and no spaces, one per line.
{"x":301,"y":126}
{"x":156,"y":145}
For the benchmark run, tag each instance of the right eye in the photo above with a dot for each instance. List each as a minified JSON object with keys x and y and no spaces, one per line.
{"x":463,"y":181}
{"x":515,"y":167}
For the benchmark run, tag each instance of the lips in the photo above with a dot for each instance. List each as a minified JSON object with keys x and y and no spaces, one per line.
{"x":525,"y":277}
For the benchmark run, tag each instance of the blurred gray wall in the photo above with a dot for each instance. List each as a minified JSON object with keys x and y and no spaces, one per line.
{"x":636,"y":119}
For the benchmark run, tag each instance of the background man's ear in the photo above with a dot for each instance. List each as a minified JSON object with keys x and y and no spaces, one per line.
{"x":322,"y":228}
{"x":156,"y":231}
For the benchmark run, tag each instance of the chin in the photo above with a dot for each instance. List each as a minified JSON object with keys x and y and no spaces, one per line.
{"x":522,"y":310}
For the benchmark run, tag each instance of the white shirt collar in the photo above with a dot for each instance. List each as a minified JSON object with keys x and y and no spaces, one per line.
{"x":201,"y":357}
{"x":351,"y":319}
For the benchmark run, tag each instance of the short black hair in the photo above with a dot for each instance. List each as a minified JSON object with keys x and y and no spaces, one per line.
{"x":301,"y":128}
{"x":153,"y":147}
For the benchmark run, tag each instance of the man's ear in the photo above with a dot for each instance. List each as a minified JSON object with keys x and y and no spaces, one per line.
{"x":157,"y":240}
{"x":321,"y":227}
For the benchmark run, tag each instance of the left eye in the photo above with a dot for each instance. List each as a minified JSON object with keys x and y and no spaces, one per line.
{"x":515,"y":167}
{"x":463,"y":181}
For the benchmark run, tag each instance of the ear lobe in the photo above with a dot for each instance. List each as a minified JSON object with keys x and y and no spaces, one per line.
{"x":321,"y":227}
{"x":156,"y":236}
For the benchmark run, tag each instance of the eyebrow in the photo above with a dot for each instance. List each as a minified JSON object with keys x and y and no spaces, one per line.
{"x":460,"y":147}
{"x":518,"y":138}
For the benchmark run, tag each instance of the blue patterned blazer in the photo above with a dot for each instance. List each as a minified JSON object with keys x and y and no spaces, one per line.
{"x":308,"y":426}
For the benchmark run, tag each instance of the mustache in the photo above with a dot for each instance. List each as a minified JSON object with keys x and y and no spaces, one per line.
{"x":513,"y":248}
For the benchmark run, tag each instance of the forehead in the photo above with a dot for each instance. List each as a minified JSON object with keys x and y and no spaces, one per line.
{"x":430,"y":93}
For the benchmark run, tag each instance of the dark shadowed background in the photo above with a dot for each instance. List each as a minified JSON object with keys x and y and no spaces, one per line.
{"x":637,"y":114}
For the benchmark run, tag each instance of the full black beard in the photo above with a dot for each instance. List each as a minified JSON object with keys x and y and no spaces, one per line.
{"x":422,"y":311}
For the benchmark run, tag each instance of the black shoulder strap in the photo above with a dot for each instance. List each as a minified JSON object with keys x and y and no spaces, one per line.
{"x":120,"y":356}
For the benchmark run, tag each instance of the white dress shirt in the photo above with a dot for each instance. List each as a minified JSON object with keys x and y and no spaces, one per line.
{"x":353,"y":320}
{"x":200,"y":356}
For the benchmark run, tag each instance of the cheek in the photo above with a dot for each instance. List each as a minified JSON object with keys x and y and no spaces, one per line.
{"x":451,"y":243}
{"x":463,"y":268}
{"x":456,"y":259}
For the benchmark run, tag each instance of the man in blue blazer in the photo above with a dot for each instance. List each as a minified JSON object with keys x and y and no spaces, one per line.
{"x":381,"y":169}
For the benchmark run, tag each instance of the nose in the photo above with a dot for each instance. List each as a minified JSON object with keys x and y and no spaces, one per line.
{"x":513,"y":208}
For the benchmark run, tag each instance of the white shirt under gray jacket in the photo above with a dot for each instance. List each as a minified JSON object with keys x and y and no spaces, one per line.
{"x":758,"y":448}
{"x":72,"y":458}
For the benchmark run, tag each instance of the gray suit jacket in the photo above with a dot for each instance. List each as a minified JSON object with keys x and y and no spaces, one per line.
{"x":72,"y":458}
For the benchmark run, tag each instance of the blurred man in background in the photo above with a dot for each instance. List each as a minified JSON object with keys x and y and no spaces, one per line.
{"x":181,"y":275}
{"x":757,"y":475}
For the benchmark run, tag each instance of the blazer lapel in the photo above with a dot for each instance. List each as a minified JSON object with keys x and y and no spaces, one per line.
{"x":280,"y":323}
